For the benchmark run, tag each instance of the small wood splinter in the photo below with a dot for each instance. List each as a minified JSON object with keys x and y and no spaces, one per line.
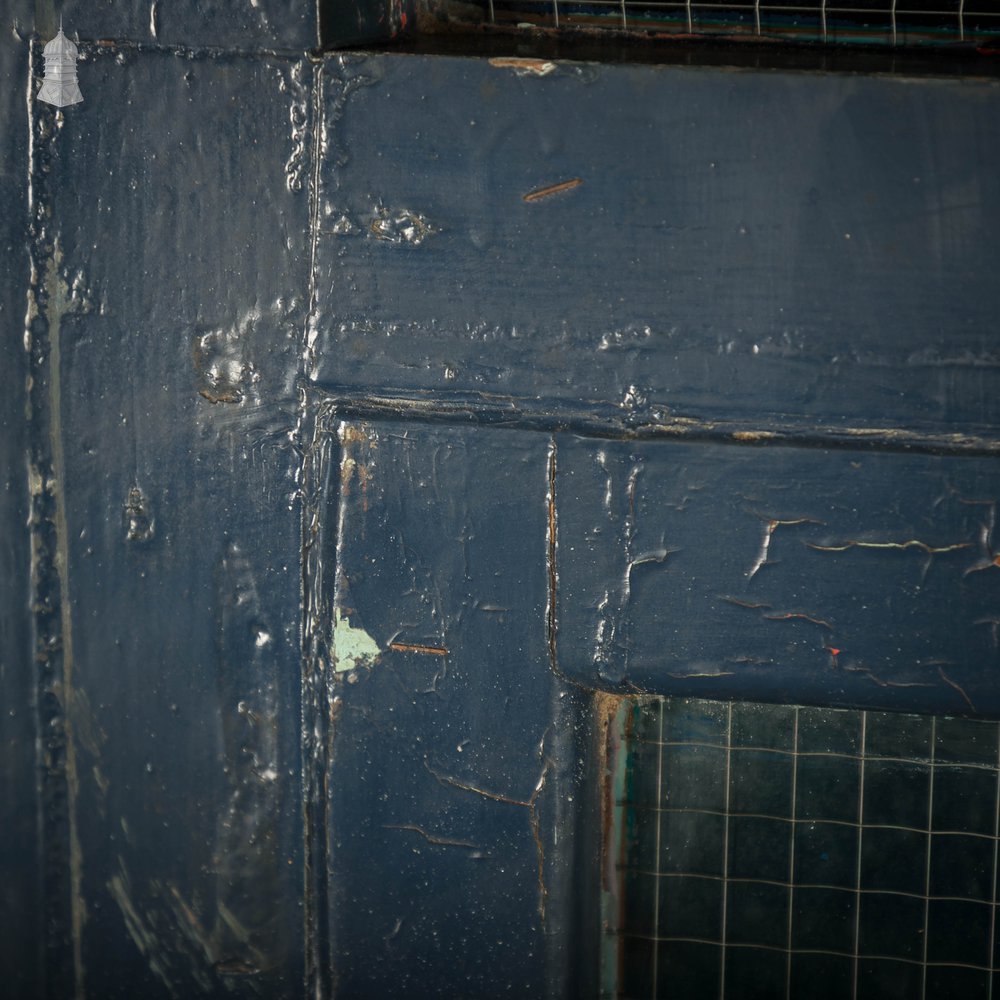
{"x":545,"y":192}
{"x":413,"y":647}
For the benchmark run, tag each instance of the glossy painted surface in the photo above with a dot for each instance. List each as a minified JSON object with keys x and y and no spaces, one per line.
{"x":452,"y":821}
{"x":318,"y":531}
{"x":230,"y":24}
{"x":787,"y":251}
{"x":171,"y":247}
{"x":810,"y":575}
{"x":20,"y":847}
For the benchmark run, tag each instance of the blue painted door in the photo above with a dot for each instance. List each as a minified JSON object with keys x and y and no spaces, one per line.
{"x":376,"y":422}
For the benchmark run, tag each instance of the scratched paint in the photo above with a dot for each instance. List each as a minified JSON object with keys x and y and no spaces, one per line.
{"x":560,"y":187}
{"x":524,"y":67}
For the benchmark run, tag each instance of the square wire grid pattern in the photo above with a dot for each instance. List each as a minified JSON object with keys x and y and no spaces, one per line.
{"x":884,"y":22}
{"x":773,"y":851}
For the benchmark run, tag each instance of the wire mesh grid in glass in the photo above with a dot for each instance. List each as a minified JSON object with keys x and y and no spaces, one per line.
{"x":882,"y":22}
{"x":770,"y":851}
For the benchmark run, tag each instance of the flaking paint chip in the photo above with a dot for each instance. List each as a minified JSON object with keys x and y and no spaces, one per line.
{"x":353,"y":647}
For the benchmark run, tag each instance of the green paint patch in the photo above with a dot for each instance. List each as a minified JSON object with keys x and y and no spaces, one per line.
{"x":352,"y":647}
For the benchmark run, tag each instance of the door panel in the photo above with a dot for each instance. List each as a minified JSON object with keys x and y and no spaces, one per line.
{"x":800,"y":252}
{"x":806,"y":575}
{"x":447,"y":752}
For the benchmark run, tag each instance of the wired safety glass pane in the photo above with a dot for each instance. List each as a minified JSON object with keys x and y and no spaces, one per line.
{"x":880,"y":22}
{"x":775,"y":851}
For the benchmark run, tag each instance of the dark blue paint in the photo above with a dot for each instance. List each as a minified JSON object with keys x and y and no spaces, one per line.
{"x":21,"y":879}
{"x":730,"y":571}
{"x":420,"y":566}
{"x":287,"y":25}
{"x":223,"y":812}
{"x":791,"y":249}
{"x":174,"y":260}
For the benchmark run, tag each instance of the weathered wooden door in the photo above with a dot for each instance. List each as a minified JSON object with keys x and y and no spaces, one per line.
{"x":375,"y":422}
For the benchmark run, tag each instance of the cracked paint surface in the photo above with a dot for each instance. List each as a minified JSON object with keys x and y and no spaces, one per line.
{"x":841,"y":596}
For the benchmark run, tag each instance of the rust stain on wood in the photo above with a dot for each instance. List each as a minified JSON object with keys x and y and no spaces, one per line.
{"x":551,"y":610}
